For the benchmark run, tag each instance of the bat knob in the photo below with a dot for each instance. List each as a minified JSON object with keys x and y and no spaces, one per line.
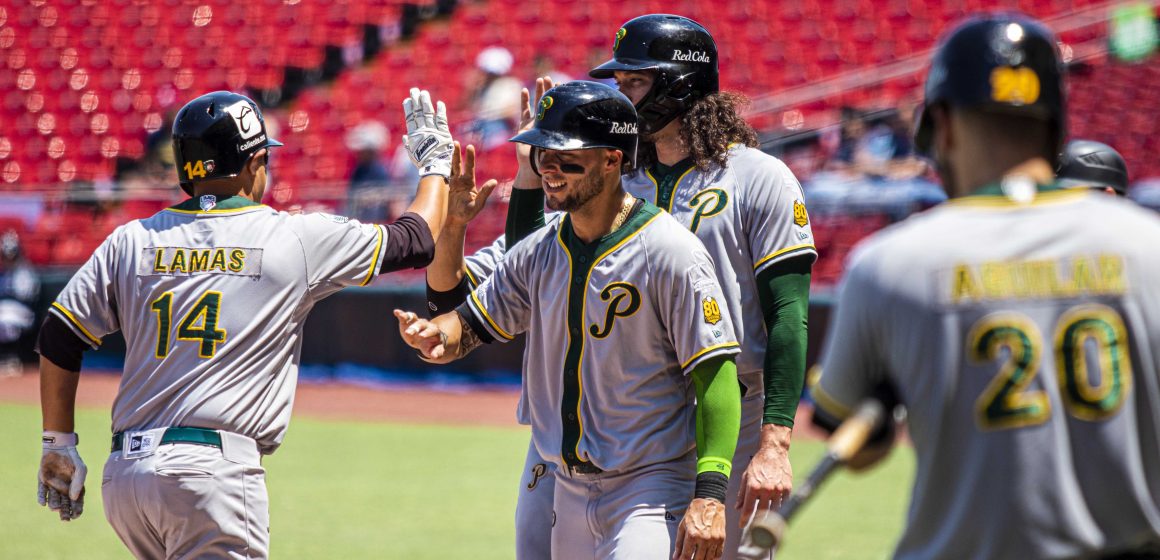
{"x":767,"y":530}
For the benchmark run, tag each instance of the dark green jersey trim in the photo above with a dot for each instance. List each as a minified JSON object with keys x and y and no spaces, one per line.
{"x":225,"y":203}
{"x":666,"y":179}
{"x":582,"y":257}
{"x":996,"y":189}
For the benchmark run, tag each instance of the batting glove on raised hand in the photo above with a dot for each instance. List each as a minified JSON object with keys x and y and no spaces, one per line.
{"x":62,"y":475}
{"x":428,"y":138}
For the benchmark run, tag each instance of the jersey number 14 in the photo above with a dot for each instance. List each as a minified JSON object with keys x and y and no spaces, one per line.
{"x":199,"y":325}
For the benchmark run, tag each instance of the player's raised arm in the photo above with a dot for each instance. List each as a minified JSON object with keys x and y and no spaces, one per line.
{"x":526,"y":206}
{"x":445,"y":274}
{"x":428,"y":143}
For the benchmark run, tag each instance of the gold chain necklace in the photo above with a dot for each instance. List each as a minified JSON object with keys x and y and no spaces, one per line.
{"x":625,"y":208}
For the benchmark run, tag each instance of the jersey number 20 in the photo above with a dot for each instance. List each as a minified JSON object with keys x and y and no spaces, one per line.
{"x":1009,"y":402}
{"x":199,"y":325}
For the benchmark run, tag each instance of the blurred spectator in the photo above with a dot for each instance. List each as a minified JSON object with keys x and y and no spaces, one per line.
{"x":596,"y":57}
{"x":369,"y":180}
{"x":494,"y":97}
{"x":880,"y":148}
{"x":19,"y":290}
{"x":544,"y":66}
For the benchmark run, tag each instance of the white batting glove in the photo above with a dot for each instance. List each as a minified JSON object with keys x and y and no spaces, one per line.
{"x":62,"y":475}
{"x":428,"y":139}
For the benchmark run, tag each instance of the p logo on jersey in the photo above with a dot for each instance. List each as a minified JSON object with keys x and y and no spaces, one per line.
{"x":800,"y":217}
{"x":711,"y":310}
{"x":616,"y":294}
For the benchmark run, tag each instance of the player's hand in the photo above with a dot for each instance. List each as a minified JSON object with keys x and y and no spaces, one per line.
{"x":428,"y":138}
{"x":421,"y":335}
{"x":464,"y":201}
{"x":61,"y":479}
{"x":525,"y":177}
{"x":701,"y":534}
{"x":768,"y":480}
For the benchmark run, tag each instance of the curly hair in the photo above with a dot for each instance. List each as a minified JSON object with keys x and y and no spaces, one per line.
{"x":708,"y":128}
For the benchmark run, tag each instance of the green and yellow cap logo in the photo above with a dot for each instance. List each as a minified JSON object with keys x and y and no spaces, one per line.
{"x":1017,"y":86}
{"x":545,"y":104}
{"x":619,"y":35}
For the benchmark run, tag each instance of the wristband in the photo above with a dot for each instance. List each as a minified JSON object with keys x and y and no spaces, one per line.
{"x":58,"y":440}
{"x":712,"y":485}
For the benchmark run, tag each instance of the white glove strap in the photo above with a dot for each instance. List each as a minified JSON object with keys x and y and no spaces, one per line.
{"x":58,"y":440}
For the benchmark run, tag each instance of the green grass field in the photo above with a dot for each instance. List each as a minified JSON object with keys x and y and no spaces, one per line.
{"x":351,"y":490}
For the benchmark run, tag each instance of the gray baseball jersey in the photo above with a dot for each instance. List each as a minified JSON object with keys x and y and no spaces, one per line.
{"x":635,"y":311}
{"x":1021,"y":338}
{"x":211,"y":304}
{"x":749,"y":215}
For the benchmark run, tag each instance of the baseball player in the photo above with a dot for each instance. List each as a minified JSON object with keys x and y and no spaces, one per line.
{"x":624,"y":329}
{"x":1018,"y":333}
{"x":211,"y":295}
{"x":1087,"y":163}
{"x":699,"y":162}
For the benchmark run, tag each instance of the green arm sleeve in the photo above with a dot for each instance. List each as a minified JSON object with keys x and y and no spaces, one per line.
{"x":525,"y":215}
{"x":784,"y":291}
{"x":718,"y":414}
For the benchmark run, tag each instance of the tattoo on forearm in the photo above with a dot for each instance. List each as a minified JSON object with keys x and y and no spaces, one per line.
{"x":468,"y":340}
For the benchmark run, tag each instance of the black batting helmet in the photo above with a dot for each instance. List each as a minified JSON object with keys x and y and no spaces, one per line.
{"x":580,"y":115}
{"x":1087,"y":163}
{"x":1004,"y":63}
{"x":215,"y":135}
{"x":681,"y":51}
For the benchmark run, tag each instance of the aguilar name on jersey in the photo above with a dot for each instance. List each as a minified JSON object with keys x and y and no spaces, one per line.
{"x":1021,"y":338}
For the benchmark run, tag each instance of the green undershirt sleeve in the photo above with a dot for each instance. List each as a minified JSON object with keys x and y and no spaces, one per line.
{"x":525,"y":215}
{"x":784,"y":291}
{"x":718,"y":414}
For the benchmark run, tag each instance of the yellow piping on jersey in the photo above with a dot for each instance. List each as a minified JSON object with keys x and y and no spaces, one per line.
{"x":583,"y":312}
{"x":77,"y":323}
{"x":657,"y":187}
{"x":828,"y":403}
{"x":470,"y":276}
{"x":781,"y":252}
{"x":490,"y":321}
{"x":215,"y":211}
{"x":1005,"y":203}
{"x":375,"y":258}
{"x":704,"y":351}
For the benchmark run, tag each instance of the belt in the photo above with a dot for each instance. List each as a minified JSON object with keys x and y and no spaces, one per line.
{"x":199,"y":436}
{"x":585,"y":468}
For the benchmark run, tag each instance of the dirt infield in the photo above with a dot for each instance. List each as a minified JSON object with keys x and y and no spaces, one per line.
{"x":339,"y":401}
{"x":335,"y":401}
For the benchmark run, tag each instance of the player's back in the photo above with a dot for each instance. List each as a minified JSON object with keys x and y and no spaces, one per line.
{"x":211,"y":304}
{"x":1021,"y":338}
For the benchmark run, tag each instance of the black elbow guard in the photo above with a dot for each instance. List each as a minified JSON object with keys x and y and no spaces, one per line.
{"x":409,"y":244}
{"x":60,"y":344}
{"x":439,"y":303}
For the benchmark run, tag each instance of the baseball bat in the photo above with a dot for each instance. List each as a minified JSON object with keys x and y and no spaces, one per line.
{"x":768,"y":528}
